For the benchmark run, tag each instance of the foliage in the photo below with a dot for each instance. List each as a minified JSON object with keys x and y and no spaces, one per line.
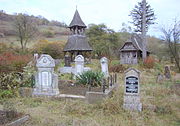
{"x":119,"y":68}
{"x":54,"y":49}
{"x":48,"y":34}
{"x":13,"y":62}
{"x":3,"y":47}
{"x":105,"y":41}
{"x":90,"y":77}
{"x":28,"y":76}
{"x":137,"y":16}
{"x":25,"y":29}
{"x":172,"y":37}
{"x":149,"y":62}
{"x":9,"y":84}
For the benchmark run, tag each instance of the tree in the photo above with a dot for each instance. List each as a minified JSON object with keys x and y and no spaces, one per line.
{"x":172,"y":37}
{"x":143,"y":16}
{"x":105,"y":41}
{"x":25,"y":29}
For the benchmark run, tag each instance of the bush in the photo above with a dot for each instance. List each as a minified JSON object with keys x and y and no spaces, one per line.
{"x":54,"y":49}
{"x":48,"y":34}
{"x":149,"y":62}
{"x":9,"y":84}
{"x":117,"y":68}
{"x":10,"y":62}
{"x":90,"y":77}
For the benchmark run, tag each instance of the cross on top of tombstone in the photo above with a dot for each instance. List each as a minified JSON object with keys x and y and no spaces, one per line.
{"x":45,"y":61}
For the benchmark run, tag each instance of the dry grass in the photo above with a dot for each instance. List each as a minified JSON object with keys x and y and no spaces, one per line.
{"x":67,"y":112}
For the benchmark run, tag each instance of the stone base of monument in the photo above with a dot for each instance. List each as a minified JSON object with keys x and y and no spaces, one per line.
{"x":95,"y":97}
{"x":65,"y":70}
{"x":37,"y":92}
{"x":132,"y":102}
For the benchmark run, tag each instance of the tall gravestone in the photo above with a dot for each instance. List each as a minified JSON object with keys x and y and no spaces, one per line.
{"x":79,"y":65}
{"x":104,"y":66}
{"x":46,"y":81}
{"x":132,"y":90}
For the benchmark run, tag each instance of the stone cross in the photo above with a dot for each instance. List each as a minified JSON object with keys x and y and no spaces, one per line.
{"x":79,"y":64}
{"x":104,"y":66}
{"x":132,"y":90}
{"x":46,"y":81}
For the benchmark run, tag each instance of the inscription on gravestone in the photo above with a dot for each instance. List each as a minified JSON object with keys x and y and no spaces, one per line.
{"x":131,"y":92}
{"x":131,"y":84}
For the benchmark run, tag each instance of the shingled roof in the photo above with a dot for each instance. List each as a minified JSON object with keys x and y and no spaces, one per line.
{"x":77,"y":43}
{"x":77,"y":21}
{"x":136,"y":41}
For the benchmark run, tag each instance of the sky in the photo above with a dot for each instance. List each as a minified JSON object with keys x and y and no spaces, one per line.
{"x":110,"y":12}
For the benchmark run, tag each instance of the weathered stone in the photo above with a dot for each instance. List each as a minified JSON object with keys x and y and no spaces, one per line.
{"x":104,"y":66}
{"x":79,"y":65}
{"x":160,"y":78}
{"x":131,"y":91}
{"x":46,"y":81}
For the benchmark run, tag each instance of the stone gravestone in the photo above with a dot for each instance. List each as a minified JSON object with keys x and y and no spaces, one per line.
{"x":79,"y":65}
{"x":67,"y":61}
{"x":132,"y":89}
{"x":46,"y":81}
{"x":104,"y":66}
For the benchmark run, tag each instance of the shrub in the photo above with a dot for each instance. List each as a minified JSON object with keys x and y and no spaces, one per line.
{"x":28,"y":76}
{"x":10,"y":62}
{"x":90,"y":77}
{"x":48,"y":34}
{"x":55,"y":49}
{"x":149,"y":62}
{"x":117,"y":68}
{"x":9,"y":84}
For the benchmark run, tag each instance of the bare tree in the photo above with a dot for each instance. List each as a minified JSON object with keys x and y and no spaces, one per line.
{"x":172,"y":37}
{"x":25,"y":29}
{"x":143,"y":16}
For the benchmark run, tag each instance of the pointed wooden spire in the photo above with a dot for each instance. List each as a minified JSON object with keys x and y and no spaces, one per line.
{"x":77,"y":21}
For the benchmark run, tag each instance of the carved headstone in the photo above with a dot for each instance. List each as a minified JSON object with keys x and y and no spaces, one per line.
{"x":46,"y":81}
{"x":132,"y":90}
{"x":104,"y":66}
{"x":79,"y":65}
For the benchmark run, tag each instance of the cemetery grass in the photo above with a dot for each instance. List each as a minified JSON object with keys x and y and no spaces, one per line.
{"x":161,"y":107}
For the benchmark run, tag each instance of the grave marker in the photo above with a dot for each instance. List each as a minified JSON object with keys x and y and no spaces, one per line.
{"x":79,"y":65}
{"x":132,"y":89}
{"x":104,"y":66}
{"x":46,"y":81}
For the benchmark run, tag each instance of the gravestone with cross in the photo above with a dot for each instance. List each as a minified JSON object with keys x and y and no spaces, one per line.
{"x":46,"y":81}
{"x":132,"y":90}
{"x":104,"y":66}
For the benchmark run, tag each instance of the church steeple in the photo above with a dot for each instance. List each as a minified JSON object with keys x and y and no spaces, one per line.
{"x":77,"y":26}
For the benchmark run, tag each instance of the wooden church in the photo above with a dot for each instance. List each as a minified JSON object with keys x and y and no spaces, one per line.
{"x":77,"y":43}
{"x":131,"y":51}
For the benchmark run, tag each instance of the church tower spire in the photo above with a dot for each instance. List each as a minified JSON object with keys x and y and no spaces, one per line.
{"x":77,"y":26}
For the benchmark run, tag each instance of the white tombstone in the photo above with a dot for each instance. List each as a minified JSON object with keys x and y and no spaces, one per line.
{"x":132,"y":90}
{"x":36,"y":56}
{"x":46,"y":81}
{"x":104,"y":66}
{"x":79,"y":64}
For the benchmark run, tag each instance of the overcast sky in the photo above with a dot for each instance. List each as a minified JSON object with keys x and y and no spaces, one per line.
{"x":111,"y":12}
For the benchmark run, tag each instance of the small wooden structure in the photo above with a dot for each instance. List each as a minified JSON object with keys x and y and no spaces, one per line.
{"x":77,"y":43}
{"x":131,"y":51}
